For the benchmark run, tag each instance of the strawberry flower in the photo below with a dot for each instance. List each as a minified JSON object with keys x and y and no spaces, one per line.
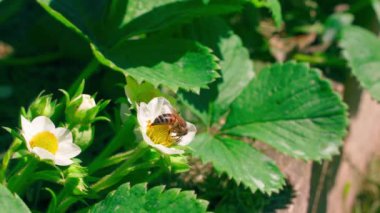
{"x":163,"y":136}
{"x":48,"y":142}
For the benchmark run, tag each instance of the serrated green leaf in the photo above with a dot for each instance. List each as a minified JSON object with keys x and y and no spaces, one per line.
{"x":239,"y":161}
{"x":139,"y":199}
{"x":110,"y":24}
{"x":236,"y":69}
{"x":361,"y":48}
{"x":171,"y":62}
{"x":290,"y":107}
{"x":11,"y":202}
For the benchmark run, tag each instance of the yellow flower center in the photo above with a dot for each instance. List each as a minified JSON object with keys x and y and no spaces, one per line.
{"x":45,"y":140}
{"x":160,"y":134}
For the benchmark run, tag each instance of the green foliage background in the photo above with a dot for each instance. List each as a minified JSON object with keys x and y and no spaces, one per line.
{"x":216,"y":62}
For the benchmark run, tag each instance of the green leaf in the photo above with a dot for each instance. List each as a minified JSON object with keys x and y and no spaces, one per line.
{"x":239,"y":161}
{"x":361,"y":48}
{"x":9,"y":8}
{"x":84,"y":17}
{"x":109,"y":24}
{"x":11,"y":202}
{"x":139,"y":199}
{"x":274,"y":6}
{"x":158,"y":14}
{"x":236,"y":69}
{"x":334,"y":25}
{"x":171,"y":62}
{"x":110,"y":21}
{"x":290,"y":107}
{"x":14,"y":133}
{"x":143,"y":92}
{"x":376,"y":8}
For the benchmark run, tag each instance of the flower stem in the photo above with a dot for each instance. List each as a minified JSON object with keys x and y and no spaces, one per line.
{"x":115,"y":159}
{"x":113,"y":178}
{"x":67,"y":201}
{"x":117,"y":142}
{"x":19,"y":182}
{"x":319,"y":60}
{"x":8,"y":155}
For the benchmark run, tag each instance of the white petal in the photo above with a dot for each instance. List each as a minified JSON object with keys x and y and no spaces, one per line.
{"x":63,"y":161}
{"x":186,"y":139}
{"x":87,"y":102}
{"x":158,"y":106}
{"x":67,"y":150}
{"x":143,"y":114}
{"x":26,"y":131}
{"x":43,"y":153}
{"x":42,"y":123}
{"x":63,"y":135}
{"x":25,"y":124}
{"x":167,"y":150}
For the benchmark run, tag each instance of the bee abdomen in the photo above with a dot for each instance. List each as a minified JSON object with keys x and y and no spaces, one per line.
{"x":164,"y":119}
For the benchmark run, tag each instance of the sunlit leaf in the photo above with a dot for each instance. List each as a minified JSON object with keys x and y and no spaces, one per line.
{"x":11,"y":203}
{"x":240,"y":162}
{"x":361,"y":48}
{"x":171,"y":62}
{"x":236,"y":69}
{"x":376,"y":8}
{"x":290,"y":107}
{"x":143,"y":92}
{"x":139,"y":199}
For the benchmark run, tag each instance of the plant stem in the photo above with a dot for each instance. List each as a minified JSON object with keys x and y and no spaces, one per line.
{"x":66,"y":203}
{"x":70,"y":200}
{"x":115,"y":159}
{"x":90,"y":69}
{"x":318,"y":59}
{"x":113,"y":178}
{"x":8,"y":155}
{"x":117,"y":142}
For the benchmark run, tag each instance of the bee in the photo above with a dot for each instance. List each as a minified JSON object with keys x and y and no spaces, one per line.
{"x":177,"y":125}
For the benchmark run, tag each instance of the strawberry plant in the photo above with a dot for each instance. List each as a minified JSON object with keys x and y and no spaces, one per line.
{"x":164,"y":106}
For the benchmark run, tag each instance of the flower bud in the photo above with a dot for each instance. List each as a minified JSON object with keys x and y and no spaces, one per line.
{"x":75,"y":179}
{"x":42,"y":106}
{"x":83,"y":136}
{"x":87,"y":102}
{"x":81,"y":110}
